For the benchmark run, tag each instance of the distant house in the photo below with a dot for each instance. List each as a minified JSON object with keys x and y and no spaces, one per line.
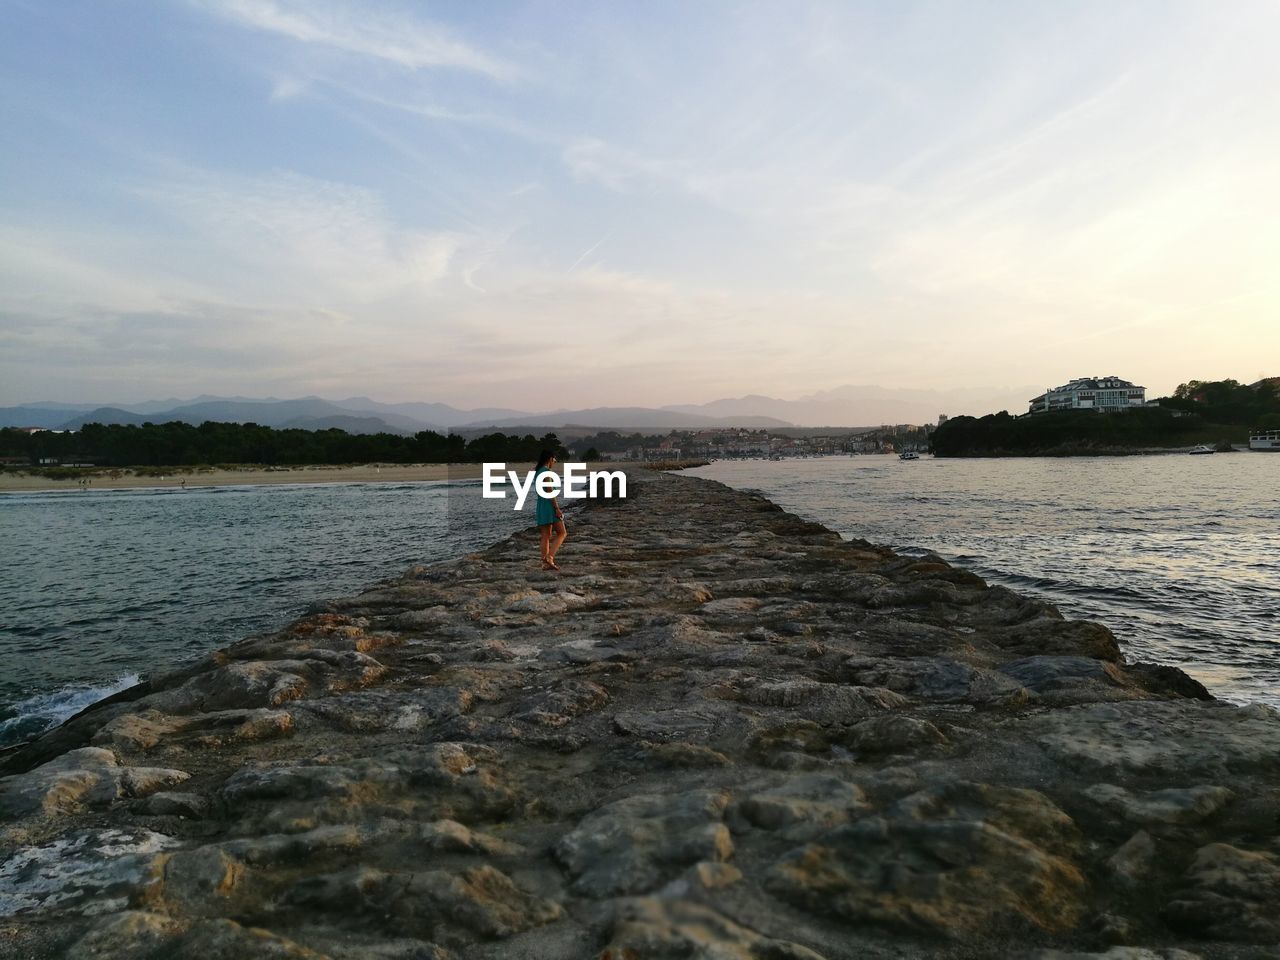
{"x":1103,"y":394}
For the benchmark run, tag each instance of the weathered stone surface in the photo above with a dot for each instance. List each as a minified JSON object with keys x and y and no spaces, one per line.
{"x":823,"y":703}
{"x":804,"y":805}
{"x":632,"y":845}
{"x":1053,"y":636}
{"x":131,"y":935}
{"x":1206,"y":741}
{"x":88,"y":777}
{"x":1116,"y":953}
{"x":656,"y":929}
{"x":1230,"y":894}
{"x":1069,"y":679}
{"x":480,"y":901}
{"x":787,"y":746}
{"x":556,"y":707}
{"x":173,"y":804}
{"x":892,"y":734}
{"x":1175,"y":805}
{"x":256,"y":684}
{"x":935,"y":679}
{"x":951,"y":860}
{"x":135,"y":733}
{"x":228,"y":940}
{"x":702,"y":722}
{"x":373,"y":710}
{"x":1133,"y":861}
{"x":103,"y":866}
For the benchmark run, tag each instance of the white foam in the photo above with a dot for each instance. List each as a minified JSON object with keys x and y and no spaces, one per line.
{"x":47,"y":710}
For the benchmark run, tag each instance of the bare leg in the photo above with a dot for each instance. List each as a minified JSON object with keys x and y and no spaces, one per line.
{"x":560,"y":534}
{"x":544,"y":532}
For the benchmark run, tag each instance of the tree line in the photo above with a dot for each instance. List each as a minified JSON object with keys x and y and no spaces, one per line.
{"x":1229,"y":401}
{"x":183,"y":444}
{"x":1196,"y":408}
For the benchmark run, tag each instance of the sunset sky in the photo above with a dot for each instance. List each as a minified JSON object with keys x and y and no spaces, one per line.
{"x":548,"y":205}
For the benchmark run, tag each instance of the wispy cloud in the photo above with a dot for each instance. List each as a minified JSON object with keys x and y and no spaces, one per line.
{"x":588,"y":252}
{"x":408,"y":41}
{"x":290,"y":233}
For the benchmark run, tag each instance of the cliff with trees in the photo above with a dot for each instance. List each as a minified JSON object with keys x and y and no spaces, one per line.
{"x":1199,"y":411}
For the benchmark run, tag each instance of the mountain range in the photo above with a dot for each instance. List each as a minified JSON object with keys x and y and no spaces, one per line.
{"x":846,"y":406}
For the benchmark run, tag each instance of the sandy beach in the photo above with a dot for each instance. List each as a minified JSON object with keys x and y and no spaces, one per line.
{"x":211,"y":477}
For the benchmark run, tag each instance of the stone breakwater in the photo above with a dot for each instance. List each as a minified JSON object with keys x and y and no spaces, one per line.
{"x":721,"y":733}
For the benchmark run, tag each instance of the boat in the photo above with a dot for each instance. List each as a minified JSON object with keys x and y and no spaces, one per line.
{"x":1265,"y":440}
{"x":1200,"y":449}
{"x":908,"y":455}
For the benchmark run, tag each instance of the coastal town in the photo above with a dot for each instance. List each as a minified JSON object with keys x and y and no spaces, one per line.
{"x":729,"y":443}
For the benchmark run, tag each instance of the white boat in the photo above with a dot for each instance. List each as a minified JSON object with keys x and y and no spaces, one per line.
{"x":1200,"y":448}
{"x":1265,"y":440}
{"x":908,"y":455}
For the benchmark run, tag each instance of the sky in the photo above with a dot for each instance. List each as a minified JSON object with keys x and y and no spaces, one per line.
{"x":554,"y":205}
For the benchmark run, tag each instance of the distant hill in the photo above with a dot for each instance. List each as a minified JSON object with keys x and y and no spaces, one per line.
{"x":314,"y":412}
{"x":105,"y":415}
{"x":626,"y":418}
{"x":274,"y":413}
{"x":841,"y":407}
{"x":852,"y":404}
{"x":49,"y":416}
{"x":431,"y":413}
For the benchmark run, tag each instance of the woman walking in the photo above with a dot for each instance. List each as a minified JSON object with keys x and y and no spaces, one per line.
{"x":548,"y":516}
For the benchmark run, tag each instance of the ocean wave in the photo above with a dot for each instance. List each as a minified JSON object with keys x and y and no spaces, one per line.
{"x":35,"y":715}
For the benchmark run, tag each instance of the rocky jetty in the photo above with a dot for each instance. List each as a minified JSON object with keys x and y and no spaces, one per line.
{"x":722,"y":733}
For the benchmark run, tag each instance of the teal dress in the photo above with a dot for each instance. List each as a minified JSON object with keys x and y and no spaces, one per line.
{"x":546,"y":506}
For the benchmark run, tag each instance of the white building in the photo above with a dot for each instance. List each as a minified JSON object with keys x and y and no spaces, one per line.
{"x":1104,"y":394}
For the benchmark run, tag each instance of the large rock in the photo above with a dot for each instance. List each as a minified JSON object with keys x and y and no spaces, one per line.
{"x":936,"y":679}
{"x":1115,"y":953}
{"x":804,"y":806}
{"x":140,"y":732}
{"x":1229,"y":894}
{"x":655,"y":929}
{"x":635,"y":844}
{"x":950,"y":860}
{"x":1068,"y":679}
{"x":480,"y":901}
{"x":101,"y":868}
{"x":88,"y":777}
{"x":268,"y":683}
{"x":1174,"y":805}
{"x":1204,"y":741}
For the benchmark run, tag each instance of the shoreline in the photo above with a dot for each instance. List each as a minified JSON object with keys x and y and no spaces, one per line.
{"x":196,"y":477}
{"x":722,"y":729}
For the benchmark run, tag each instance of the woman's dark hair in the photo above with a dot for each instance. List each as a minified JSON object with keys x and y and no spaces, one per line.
{"x":545,"y":457}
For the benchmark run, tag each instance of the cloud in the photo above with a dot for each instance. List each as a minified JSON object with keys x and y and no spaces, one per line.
{"x":285,"y":236}
{"x":394,"y":38}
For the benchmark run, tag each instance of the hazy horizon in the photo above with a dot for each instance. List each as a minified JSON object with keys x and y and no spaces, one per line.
{"x":562,"y":207}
